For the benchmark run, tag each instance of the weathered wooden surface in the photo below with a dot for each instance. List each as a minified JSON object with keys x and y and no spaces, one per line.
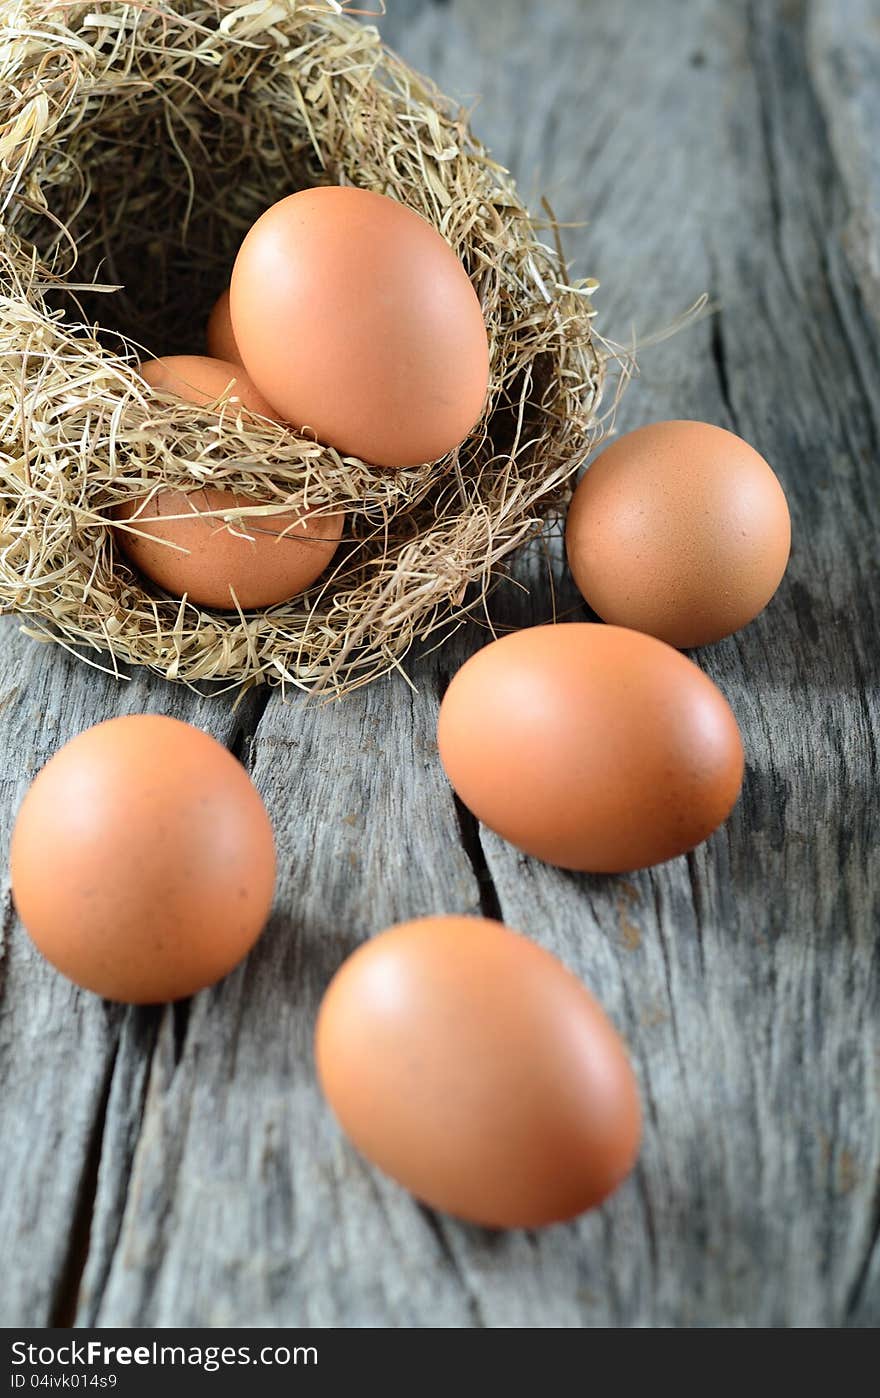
{"x":177,"y":1166}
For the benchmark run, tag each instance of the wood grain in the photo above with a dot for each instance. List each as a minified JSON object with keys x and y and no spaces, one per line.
{"x":177,"y":1166}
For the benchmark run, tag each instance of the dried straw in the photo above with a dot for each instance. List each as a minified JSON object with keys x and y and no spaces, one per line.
{"x":138,"y":142}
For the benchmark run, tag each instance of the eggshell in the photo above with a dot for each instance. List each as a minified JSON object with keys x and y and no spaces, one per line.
{"x":199,"y":379}
{"x":356,"y":319}
{"x":142,"y":860}
{"x":590,"y":746}
{"x":219,"y":334}
{"x":186,"y":549}
{"x":679,"y":529}
{"x":250,"y":560}
{"x":471,"y":1066}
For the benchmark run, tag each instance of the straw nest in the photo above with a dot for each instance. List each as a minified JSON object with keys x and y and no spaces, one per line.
{"x":138,"y":142}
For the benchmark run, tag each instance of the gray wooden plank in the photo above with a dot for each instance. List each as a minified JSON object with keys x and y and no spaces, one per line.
{"x":63,"y":1053}
{"x":183,"y":1157}
{"x":844,"y":48}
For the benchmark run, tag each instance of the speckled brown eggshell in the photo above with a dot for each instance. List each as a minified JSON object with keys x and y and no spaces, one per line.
{"x":142,"y":860}
{"x":591,"y":747}
{"x":679,"y":529}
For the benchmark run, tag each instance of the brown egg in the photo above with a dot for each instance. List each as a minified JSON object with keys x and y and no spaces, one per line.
{"x":219,"y":336}
{"x":201,"y":380}
{"x":251,"y":560}
{"x":590,"y":747}
{"x":257,"y":561}
{"x":142,"y":860}
{"x":356,"y":319}
{"x":679,"y":529}
{"x":471,"y":1066}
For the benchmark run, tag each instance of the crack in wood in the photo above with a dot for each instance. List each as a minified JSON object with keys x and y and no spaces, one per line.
{"x":718,"y":350}
{"x":6,"y":926}
{"x":662,"y":926}
{"x":469,"y":826}
{"x":765,"y":83}
{"x":66,"y":1297}
{"x":846,"y":310}
{"x":180,"y":1014}
{"x":858,"y":1291}
{"x":474,"y":1306}
{"x":144,"y":1027}
{"x":696,"y":900}
{"x":469,"y":830}
{"x":248,"y":719}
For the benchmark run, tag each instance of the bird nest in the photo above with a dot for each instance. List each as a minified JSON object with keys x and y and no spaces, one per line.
{"x":138,"y":143}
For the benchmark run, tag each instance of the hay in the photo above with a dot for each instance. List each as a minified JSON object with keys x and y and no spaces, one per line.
{"x":138,"y":142}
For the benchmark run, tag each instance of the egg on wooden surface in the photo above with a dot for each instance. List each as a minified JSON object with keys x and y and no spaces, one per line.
{"x":472,"y":1067}
{"x":357,"y":321}
{"x":679,"y":529}
{"x":185,"y":546}
{"x":219,"y":335}
{"x":142,"y":860}
{"x":590,"y":746}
